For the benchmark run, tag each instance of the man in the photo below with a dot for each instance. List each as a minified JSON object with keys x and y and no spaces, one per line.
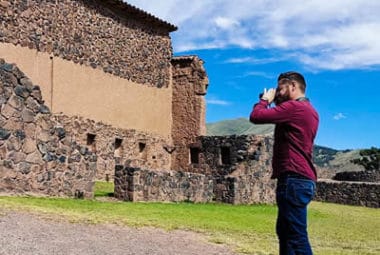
{"x":296,"y":127}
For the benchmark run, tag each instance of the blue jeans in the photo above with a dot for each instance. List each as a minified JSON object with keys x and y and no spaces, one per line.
{"x":292,"y":196}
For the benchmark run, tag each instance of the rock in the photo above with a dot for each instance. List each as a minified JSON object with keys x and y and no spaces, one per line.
{"x":20,"y":134}
{"x":36,"y":94}
{"x":29,"y":146}
{"x":7,"y":67}
{"x":29,"y":129}
{"x":27,"y":83}
{"x":27,"y":115}
{"x":34,"y":158}
{"x":13,"y":144}
{"x":24,"y":167}
{"x":42,"y":147}
{"x":32,"y":105}
{"x":22,"y":91}
{"x":16,"y":157}
{"x":61,"y":133}
{"x":4,"y":4}
{"x":8,"y":111}
{"x":16,"y":102}
{"x":44,"y":109}
{"x":4,"y":134}
{"x":13,"y":124}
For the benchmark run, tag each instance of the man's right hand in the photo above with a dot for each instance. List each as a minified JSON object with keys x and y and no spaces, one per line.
{"x":269,"y":95}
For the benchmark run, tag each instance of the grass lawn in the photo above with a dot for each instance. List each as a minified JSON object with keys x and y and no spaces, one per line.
{"x":334,"y":229}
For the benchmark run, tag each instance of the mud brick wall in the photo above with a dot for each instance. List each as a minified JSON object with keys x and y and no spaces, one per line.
{"x":349,"y":193}
{"x":108,"y":35}
{"x":117,"y":146}
{"x":36,"y":156}
{"x":135,"y":184}
{"x":188,"y":109}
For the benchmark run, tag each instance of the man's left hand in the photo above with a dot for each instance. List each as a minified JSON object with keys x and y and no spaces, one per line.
{"x":269,"y":95}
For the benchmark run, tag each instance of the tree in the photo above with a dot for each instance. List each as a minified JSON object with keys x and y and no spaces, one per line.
{"x":370,"y":159}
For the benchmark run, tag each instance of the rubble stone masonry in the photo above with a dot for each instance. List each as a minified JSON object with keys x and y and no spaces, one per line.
{"x":114,"y":146}
{"x":190,"y":83}
{"x":57,"y":155}
{"x":93,"y":33}
{"x":233,"y":169}
{"x":37,"y":155}
{"x":135,"y":184}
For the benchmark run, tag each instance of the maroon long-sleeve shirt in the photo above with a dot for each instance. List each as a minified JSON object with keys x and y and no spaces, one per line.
{"x":296,"y":127}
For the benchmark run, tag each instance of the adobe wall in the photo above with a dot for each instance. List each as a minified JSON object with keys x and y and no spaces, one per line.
{"x":36,"y":155}
{"x":88,"y":33}
{"x":190,"y":83}
{"x":90,"y":62}
{"x":79,"y":90}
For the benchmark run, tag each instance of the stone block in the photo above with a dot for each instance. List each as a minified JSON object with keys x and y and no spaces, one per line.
{"x":28,"y":115}
{"x":29,"y":146}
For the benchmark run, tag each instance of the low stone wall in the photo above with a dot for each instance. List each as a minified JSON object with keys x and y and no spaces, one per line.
{"x":350,"y":193}
{"x":135,"y":184}
{"x":237,"y":168}
{"x":36,"y":155}
{"x":359,"y":176}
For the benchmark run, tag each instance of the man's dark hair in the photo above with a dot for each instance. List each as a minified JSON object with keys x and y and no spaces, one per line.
{"x":294,"y":76}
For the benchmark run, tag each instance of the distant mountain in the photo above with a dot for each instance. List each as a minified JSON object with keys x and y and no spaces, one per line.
{"x":240,"y":126}
{"x":328,"y":159}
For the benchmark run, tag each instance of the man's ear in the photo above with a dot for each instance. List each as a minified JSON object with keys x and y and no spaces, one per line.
{"x":293,"y":85}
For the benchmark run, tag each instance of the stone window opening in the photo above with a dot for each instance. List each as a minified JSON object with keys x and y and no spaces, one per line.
{"x":142,"y":147}
{"x":91,"y":141}
{"x":118,"y":147}
{"x":225,"y":155}
{"x":194,"y":155}
{"x":143,"y":150}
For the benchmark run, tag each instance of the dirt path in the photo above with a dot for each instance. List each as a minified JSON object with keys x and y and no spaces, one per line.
{"x":22,"y":233}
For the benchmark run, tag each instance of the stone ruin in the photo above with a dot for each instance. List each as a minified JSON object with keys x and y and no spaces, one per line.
{"x":57,"y":155}
{"x":112,"y":103}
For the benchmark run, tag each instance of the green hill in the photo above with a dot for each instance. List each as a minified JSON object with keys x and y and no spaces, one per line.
{"x":331,"y":159}
{"x":240,"y":126}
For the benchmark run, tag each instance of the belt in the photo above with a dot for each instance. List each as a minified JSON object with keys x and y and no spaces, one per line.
{"x":286,"y":175}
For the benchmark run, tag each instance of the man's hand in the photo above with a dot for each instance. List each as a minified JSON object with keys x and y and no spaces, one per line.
{"x":269,"y":95}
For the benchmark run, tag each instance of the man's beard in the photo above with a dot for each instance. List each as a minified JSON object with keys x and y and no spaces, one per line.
{"x":282,"y":98}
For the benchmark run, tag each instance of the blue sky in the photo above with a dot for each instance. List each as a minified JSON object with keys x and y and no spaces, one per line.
{"x":246,"y":43}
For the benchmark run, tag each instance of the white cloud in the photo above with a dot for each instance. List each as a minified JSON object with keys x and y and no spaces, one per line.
{"x":226,"y":23}
{"x":339,"y":116}
{"x":336,"y":34}
{"x":252,"y":60}
{"x":260,"y":74}
{"x":215,"y":101}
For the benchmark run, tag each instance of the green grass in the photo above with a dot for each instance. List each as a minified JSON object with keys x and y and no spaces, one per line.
{"x":103,"y":189}
{"x":334,"y":229}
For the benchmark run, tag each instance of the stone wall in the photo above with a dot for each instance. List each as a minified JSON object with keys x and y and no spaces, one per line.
{"x":240,"y":166}
{"x":358,"y":176}
{"x":350,"y":193}
{"x":240,"y":177}
{"x":117,"y":146}
{"x":135,"y":184}
{"x":188,"y":109}
{"x":109,"y":35}
{"x":36,"y":154}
